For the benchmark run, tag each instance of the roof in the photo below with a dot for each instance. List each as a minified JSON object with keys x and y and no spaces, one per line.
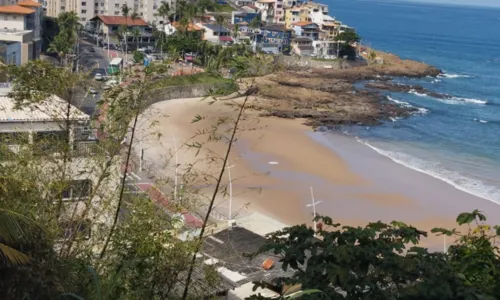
{"x":16,"y":9}
{"x":310,"y":48}
{"x":249,"y":9}
{"x":215,"y":27}
{"x":302,"y":39}
{"x":232,"y":248}
{"x":52,"y":109}
{"x":29,"y":3}
{"x":302,"y":23}
{"x":190,"y":26}
{"x":275,"y":28}
{"x":266,"y":1}
{"x":225,"y":38}
{"x":244,"y":23}
{"x":121,"y":20}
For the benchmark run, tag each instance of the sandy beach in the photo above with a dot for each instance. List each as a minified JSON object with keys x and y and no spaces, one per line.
{"x":275,"y":162}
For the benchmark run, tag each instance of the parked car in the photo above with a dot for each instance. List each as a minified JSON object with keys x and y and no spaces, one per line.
{"x":92,"y":91}
{"x":98,"y":77}
{"x":142,"y":49}
{"x":91,"y":49}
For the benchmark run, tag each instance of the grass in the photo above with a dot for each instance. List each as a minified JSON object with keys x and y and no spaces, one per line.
{"x":199,"y":78}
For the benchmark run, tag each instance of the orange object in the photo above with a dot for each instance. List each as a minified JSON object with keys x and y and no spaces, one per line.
{"x":267,"y":264}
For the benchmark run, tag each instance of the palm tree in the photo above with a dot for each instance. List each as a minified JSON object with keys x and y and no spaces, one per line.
{"x":164,"y":13}
{"x":14,"y":229}
{"x":62,"y":46}
{"x":219,"y":20}
{"x":236,"y":31}
{"x":125,"y":13}
{"x":136,"y":33}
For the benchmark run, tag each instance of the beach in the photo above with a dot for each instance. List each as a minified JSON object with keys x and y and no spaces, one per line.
{"x":275,"y":163}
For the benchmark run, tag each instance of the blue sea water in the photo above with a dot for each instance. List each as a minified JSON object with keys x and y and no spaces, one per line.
{"x":456,"y":140}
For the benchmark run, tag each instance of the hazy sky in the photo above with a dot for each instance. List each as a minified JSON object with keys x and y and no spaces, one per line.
{"x":495,"y":3}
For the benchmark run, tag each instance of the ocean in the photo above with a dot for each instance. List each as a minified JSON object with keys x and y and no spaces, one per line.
{"x":455,"y":140}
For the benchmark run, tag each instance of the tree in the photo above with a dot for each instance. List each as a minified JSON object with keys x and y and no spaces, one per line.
{"x":348,"y":37}
{"x":126,"y":13}
{"x":383,"y":261}
{"x":219,"y":20}
{"x":138,"y":56}
{"x":65,"y":40}
{"x":255,"y":23}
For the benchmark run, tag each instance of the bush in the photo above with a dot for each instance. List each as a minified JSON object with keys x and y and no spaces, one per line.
{"x":138,"y":56}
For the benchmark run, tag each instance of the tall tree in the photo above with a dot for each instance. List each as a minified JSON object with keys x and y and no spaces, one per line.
{"x":219,"y":20}
{"x":126,"y":13}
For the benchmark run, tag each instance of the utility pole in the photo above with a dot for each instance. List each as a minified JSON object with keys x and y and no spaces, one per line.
{"x":313,"y":204}
{"x":230,"y":193}
{"x":176,"y":167}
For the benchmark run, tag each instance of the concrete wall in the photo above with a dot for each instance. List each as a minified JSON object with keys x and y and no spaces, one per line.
{"x":12,"y":21}
{"x":186,"y":91}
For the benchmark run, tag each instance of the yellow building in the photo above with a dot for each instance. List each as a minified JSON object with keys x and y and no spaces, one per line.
{"x":292,"y":15}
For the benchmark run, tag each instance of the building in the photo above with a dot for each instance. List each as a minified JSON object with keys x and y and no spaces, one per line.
{"x":292,"y":15}
{"x":88,"y":9}
{"x":107,"y":29}
{"x":244,"y":2}
{"x":215,"y":33}
{"x":272,"y":39}
{"x":229,"y":251}
{"x":292,"y":3}
{"x":272,"y":11}
{"x":244,"y":16}
{"x":172,"y":27}
{"x":307,"y":29}
{"x":312,"y":9}
{"x":302,"y":46}
{"x":41,"y":130}
{"x":21,"y":31}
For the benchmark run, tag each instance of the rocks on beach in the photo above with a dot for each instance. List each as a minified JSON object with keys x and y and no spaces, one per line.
{"x":328,"y":98}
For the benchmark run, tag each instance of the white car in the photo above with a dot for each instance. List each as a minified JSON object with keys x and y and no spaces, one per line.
{"x":98,"y":77}
{"x":142,"y":49}
{"x":92,"y":91}
{"x":111,"y":83}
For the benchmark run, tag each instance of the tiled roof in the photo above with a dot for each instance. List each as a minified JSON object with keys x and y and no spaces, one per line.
{"x":216,"y":27}
{"x":121,"y":20}
{"x":302,"y":39}
{"x":225,"y":38}
{"x":52,"y":109}
{"x":29,"y":3}
{"x":190,"y":26}
{"x":16,"y":9}
{"x":243,"y":23}
{"x":302,"y":23}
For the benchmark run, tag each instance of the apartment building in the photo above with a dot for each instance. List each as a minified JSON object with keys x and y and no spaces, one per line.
{"x":20,"y":32}
{"x":39,"y":130}
{"x":88,"y":9}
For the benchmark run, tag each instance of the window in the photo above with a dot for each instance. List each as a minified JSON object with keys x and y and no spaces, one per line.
{"x":14,"y":17}
{"x":117,"y":5}
{"x":83,"y":19}
{"x":49,"y":142}
{"x":96,"y":12}
{"x":79,"y":228}
{"x":96,"y":4}
{"x":75,"y":190}
{"x":83,"y":11}
{"x":6,"y":18}
{"x":84,"y":3}
{"x":63,"y":8}
{"x":117,"y":13}
{"x":102,"y":4}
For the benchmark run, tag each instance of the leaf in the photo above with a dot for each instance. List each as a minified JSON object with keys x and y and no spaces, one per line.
{"x":197,"y":118}
{"x":465,"y":218}
{"x":13,"y":256}
{"x":497,"y":229}
{"x":299,"y":294}
{"x":442,"y":231}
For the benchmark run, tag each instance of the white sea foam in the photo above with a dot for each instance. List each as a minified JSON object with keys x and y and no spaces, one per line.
{"x":420,"y":110}
{"x":452,"y":100}
{"x":436,"y":81}
{"x":481,"y":121}
{"x":469,"y":185}
{"x":417,"y":93}
{"x":446,"y":75}
{"x":470,"y":100}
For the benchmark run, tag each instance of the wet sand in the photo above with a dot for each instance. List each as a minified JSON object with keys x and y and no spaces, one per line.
{"x":275,"y":162}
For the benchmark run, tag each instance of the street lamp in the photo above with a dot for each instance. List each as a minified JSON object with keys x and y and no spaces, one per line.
{"x":230,"y":192}
{"x":313,"y":204}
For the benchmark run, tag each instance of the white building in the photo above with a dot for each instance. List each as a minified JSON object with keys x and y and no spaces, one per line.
{"x":44,"y":124}
{"x":20,"y":31}
{"x":87,"y":9}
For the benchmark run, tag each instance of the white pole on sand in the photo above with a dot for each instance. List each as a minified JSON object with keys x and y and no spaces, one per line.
{"x":176,"y":168}
{"x":313,"y":204}
{"x":230,"y":191}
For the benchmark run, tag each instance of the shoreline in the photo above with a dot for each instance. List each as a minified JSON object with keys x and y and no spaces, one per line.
{"x":276,"y":161}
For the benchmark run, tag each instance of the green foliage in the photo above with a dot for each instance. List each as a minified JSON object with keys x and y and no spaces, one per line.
{"x":348,"y":37}
{"x":65,"y":40}
{"x":383,"y":261}
{"x":199,"y":78}
{"x":138,"y":56}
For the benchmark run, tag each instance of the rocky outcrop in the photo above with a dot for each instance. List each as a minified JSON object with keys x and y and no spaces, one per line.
{"x":405,"y":88}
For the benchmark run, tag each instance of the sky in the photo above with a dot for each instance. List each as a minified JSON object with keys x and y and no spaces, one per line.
{"x":495,"y":3}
